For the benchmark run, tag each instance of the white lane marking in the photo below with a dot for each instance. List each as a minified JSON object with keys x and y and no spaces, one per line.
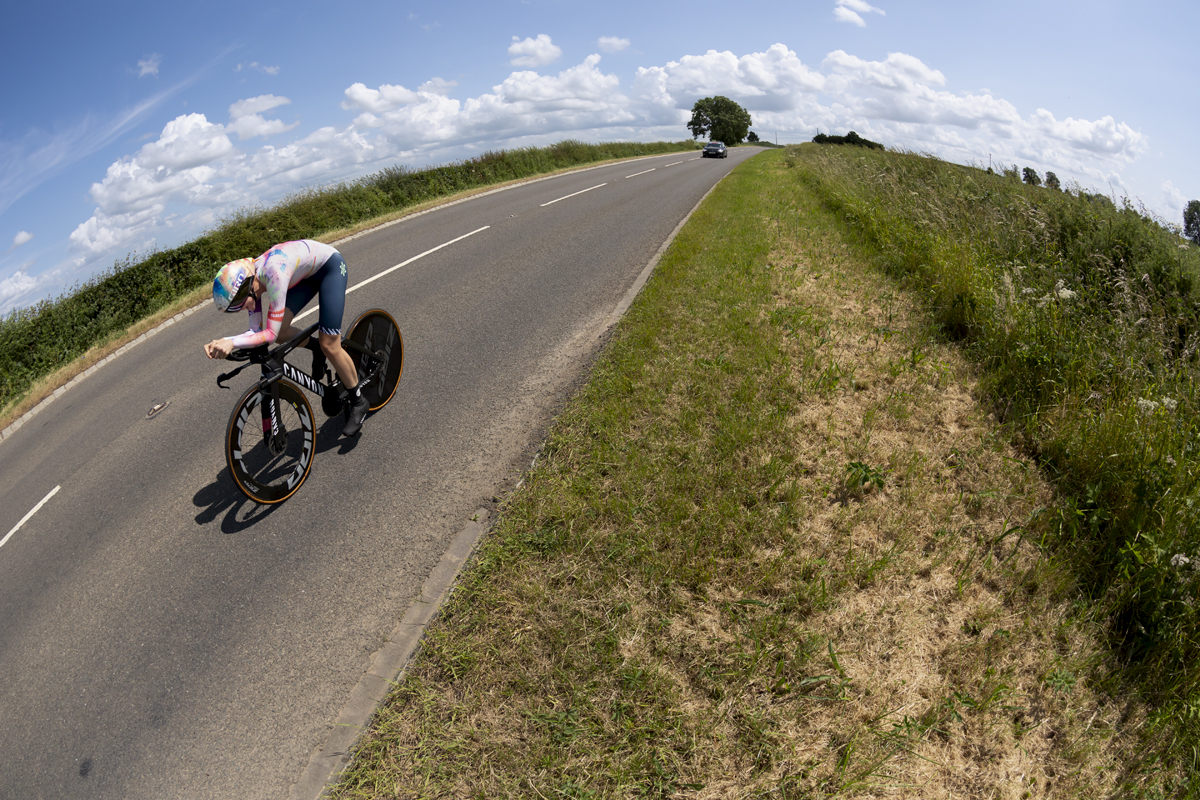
{"x":25,"y":518}
{"x":697,"y":158}
{"x":673,"y":163}
{"x":552,"y":202}
{"x":398,"y":266}
{"x":643,"y":172}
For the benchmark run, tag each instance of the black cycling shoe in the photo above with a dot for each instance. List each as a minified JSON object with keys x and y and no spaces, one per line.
{"x":358,"y":412}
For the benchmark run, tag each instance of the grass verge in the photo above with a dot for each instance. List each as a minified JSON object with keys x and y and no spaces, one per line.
{"x":773,"y":549}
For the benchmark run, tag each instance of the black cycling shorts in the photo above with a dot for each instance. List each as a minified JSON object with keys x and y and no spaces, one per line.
{"x":329,"y":282}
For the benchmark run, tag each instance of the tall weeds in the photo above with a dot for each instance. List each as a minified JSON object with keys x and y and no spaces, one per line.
{"x":1083,"y":316}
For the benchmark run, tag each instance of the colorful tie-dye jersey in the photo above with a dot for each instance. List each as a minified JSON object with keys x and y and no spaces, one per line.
{"x":280,"y":268}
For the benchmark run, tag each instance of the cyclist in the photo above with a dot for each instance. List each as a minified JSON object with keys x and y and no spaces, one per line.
{"x":279,"y":283}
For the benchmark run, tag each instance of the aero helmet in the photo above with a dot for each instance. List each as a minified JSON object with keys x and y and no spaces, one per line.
{"x":233,"y":283}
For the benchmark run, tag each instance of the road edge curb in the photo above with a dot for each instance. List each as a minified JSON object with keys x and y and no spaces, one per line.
{"x":389,"y":663}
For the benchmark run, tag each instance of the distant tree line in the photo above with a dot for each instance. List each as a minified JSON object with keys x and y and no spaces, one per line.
{"x":850,"y":138}
{"x":1191,"y":214}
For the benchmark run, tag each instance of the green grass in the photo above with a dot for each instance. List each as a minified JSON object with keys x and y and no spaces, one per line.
{"x":774,"y":548}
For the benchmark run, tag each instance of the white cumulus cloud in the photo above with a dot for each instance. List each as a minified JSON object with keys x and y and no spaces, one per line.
{"x":193,"y":173}
{"x":437,"y":86}
{"x":524,"y":104}
{"x":612,"y":44}
{"x":850,"y":11}
{"x":22,"y":289}
{"x":21,"y":238}
{"x":256,"y":105}
{"x":256,"y":66}
{"x":1104,"y":136}
{"x":136,"y":190}
{"x":247,"y":121}
{"x":533,"y":52}
{"x":772,"y":80}
{"x":149,"y":65}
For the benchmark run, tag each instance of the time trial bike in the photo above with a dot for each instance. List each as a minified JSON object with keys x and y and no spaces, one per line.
{"x":271,"y":436}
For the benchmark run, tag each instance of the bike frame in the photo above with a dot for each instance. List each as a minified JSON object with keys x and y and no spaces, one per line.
{"x":271,"y":469}
{"x":275,"y":367}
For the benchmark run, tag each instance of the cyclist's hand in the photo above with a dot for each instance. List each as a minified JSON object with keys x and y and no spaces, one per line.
{"x":219,"y":348}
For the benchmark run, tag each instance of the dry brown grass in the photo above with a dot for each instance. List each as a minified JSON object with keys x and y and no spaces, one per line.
{"x":951,"y":648}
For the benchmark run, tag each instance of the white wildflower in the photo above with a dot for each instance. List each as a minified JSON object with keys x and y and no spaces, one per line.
{"x":1027,"y":290}
{"x":1066,"y":294}
{"x":1043,"y":301}
{"x":1169,"y":404}
{"x":1180,"y":560}
{"x":1147,"y":407}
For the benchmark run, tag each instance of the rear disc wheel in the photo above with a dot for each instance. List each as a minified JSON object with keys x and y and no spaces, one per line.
{"x":378,"y":333}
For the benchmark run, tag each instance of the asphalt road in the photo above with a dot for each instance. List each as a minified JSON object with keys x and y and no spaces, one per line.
{"x":163,"y":637}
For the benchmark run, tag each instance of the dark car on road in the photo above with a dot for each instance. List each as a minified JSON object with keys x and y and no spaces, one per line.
{"x":715,"y":150}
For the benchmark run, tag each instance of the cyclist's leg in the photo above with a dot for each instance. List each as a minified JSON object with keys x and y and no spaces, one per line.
{"x":332,"y":278}
{"x":298,"y":297}
{"x":331,"y":346}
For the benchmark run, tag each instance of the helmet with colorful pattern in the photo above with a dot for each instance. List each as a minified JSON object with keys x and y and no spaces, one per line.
{"x":233,"y":284}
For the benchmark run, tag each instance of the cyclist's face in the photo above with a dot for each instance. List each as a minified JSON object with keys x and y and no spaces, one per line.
{"x":255,"y":292}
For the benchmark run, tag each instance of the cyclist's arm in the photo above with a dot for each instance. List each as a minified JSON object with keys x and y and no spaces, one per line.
{"x":276,"y":277}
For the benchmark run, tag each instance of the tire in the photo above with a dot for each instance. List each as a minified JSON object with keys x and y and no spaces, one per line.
{"x":377,"y":331}
{"x":264,"y":473}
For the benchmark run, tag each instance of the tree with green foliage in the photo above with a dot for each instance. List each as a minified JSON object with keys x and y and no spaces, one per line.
{"x":752,"y":137}
{"x":850,"y":138}
{"x":1052,"y":181}
{"x":1030,"y":176}
{"x":721,"y":119}
{"x":1191,"y":221}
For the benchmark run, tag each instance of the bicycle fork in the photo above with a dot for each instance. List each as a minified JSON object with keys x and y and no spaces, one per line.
{"x":273,"y":434}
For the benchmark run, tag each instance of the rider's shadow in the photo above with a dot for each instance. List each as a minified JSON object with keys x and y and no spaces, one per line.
{"x":329,"y":436}
{"x":223,"y":496}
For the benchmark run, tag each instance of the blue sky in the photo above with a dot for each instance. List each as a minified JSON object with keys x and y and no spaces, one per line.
{"x":133,"y":125}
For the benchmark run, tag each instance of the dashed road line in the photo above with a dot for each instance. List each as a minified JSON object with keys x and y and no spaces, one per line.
{"x":552,"y":202}
{"x":27,"y":517}
{"x":390,"y":270}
